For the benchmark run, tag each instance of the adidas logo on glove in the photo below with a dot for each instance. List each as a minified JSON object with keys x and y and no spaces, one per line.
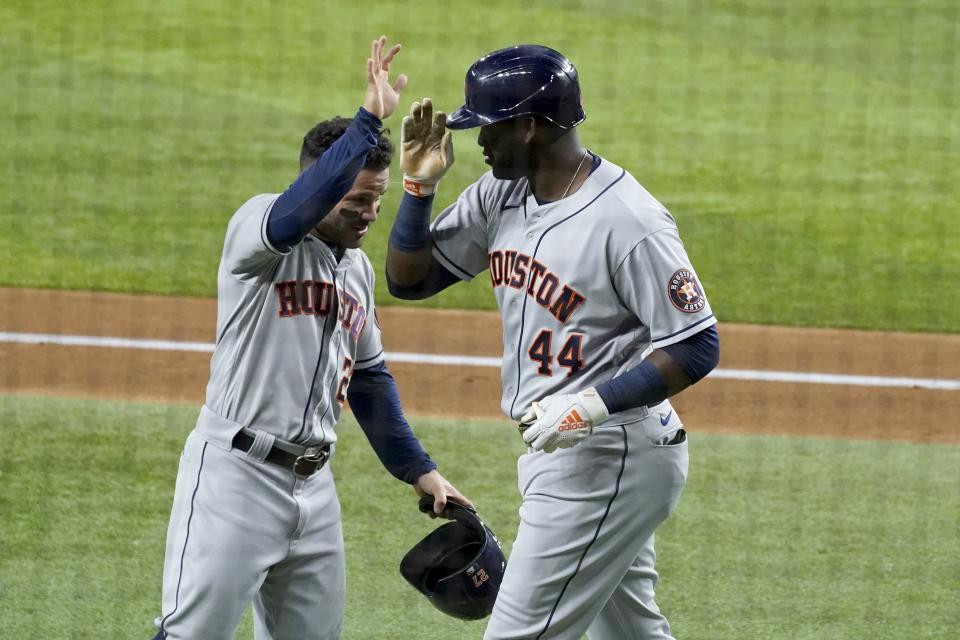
{"x":571,"y":421}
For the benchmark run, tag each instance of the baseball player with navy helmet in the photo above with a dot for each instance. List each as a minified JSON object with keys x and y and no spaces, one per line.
{"x":255,"y":513}
{"x":604,"y":318}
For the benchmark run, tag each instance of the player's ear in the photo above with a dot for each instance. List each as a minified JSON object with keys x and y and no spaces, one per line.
{"x":529,"y":128}
{"x":305,"y":160}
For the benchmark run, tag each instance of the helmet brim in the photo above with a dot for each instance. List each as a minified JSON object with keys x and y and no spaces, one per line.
{"x":464,"y":118}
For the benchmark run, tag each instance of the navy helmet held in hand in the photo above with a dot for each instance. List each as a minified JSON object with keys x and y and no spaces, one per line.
{"x":526,"y":79}
{"x":459,"y":566}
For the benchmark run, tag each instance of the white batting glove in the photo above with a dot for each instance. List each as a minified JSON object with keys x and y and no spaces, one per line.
{"x":426,"y":149}
{"x":562,"y":421}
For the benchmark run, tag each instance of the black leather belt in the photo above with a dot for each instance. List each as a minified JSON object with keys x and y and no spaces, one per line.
{"x":303,"y":461}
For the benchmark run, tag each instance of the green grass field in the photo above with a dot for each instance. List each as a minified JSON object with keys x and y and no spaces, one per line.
{"x":775,"y":538}
{"x":808,"y":150}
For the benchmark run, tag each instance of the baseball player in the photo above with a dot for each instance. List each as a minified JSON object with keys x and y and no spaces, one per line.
{"x":255,"y":513}
{"x":604,"y":318}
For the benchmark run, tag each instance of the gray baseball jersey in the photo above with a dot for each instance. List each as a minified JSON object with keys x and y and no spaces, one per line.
{"x":291,"y":328}
{"x":586,"y":286}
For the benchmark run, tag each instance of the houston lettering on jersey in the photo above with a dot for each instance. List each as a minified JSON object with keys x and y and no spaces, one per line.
{"x":315,"y":298}
{"x":352,"y":314}
{"x":304,"y":297}
{"x":518,"y":270}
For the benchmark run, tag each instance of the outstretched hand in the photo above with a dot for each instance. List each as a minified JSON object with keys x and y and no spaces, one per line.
{"x":426,"y":151}
{"x":382,"y":97}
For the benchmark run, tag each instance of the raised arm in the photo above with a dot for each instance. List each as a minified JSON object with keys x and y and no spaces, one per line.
{"x":425,"y":156}
{"x":327,"y":179}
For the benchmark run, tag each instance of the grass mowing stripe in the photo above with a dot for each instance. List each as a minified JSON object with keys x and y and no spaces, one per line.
{"x":806,"y":149}
{"x":774,"y":538}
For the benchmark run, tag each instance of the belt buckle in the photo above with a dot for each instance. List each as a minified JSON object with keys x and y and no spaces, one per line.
{"x":306,"y":465}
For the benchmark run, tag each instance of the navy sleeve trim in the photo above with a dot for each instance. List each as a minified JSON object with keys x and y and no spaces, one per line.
{"x":365,"y":360}
{"x":466,"y":274}
{"x":263,"y":231}
{"x":687,"y":328}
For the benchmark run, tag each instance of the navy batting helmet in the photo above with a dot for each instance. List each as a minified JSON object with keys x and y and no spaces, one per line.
{"x":525,"y":80}
{"x":459,"y":566}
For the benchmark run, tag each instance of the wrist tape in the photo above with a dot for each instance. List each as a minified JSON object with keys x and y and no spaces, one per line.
{"x":419,"y":188}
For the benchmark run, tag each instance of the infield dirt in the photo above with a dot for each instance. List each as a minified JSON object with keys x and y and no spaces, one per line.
{"x":714,"y":405}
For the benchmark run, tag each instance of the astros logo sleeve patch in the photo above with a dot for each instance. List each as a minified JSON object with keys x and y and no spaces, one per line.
{"x":685,"y":292}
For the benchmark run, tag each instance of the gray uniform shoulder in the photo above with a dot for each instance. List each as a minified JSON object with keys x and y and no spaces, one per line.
{"x":463,"y":231}
{"x":257,"y":205}
{"x":363,"y":264}
{"x":632,"y":211}
{"x":498,"y":195}
{"x":246,"y":249}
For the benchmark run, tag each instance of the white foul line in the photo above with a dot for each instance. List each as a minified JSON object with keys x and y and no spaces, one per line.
{"x":98,"y":341}
{"x":940,"y":384}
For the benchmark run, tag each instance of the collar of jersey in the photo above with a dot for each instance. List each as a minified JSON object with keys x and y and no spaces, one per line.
{"x":329,"y":250}
{"x":595,"y":182}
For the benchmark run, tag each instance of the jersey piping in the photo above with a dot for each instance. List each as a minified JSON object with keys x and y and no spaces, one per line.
{"x":596,"y":533}
{"x":523,"y":309}
{"x":263,"y":231}
{"x":684,"y":330}
{"x":626,"y":255}
{"x":313,"y":381}
{"x":337,"y":359}
{"x":183,"y":552}
{"x":454,"y":264}
{"x":366,"y":360}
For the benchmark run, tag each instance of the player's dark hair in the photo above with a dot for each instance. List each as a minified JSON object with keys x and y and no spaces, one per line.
{"x":327,"y":132}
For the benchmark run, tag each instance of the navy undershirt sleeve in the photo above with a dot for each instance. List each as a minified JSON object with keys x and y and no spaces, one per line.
{"x":411,"y":232}
{"x":644,"y":386}
{"x":375,"y":402}
{"x":411,"y":229}
{"x":323,"y":184}
{"x":436,"y":280}
{"x":641,"y":386}
{"x":697,"y":355}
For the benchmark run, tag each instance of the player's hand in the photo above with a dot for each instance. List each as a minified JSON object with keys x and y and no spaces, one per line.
{"x":426,"y":150}
{"x":562,"y":421}
{"x":434,"y":484}
{"x":382,"y":97}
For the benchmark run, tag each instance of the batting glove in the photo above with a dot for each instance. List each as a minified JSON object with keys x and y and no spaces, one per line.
{"x":426,"y":150}
{"x":562,"y":421}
